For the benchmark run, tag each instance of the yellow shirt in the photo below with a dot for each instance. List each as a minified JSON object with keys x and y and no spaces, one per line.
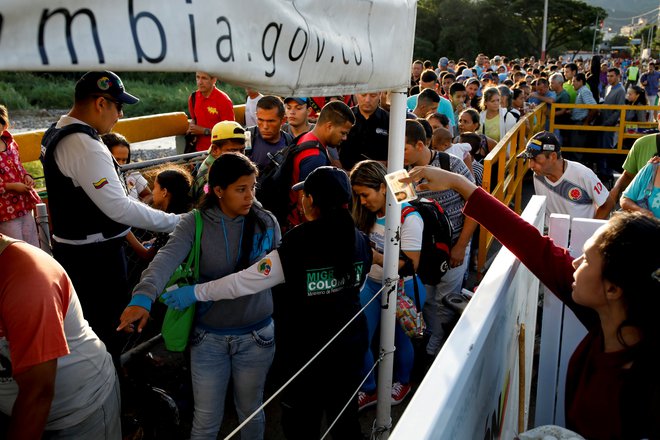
{"x":492,"y":127}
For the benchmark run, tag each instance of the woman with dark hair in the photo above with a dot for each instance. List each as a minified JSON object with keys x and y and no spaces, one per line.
{"x":230,"y":339}
{"x":171,"y":193}
{"x":518,"y":101}
{"x":469,"y":122}
{"x":120,"y":149}
{"x":612,"y":383}
{"x":635,"y":95}
{"x":370,"y":189}
{"x":322,"y":263}
{"x":593,"y":77}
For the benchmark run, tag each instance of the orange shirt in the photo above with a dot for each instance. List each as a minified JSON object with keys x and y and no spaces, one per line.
{"x":34,"y":298}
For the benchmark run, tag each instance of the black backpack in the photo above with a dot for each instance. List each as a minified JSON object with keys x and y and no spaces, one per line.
{"x":436,"y":241}
{"x":274,"y":183}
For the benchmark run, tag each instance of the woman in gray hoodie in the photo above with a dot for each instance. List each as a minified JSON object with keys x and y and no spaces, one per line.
{"x":231,"y":338}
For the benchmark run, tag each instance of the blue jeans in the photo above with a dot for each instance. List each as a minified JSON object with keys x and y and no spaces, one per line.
{"x":214,"y":360}
{"x":404,"y":355}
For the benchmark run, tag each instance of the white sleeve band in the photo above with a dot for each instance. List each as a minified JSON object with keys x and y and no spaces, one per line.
{"x":262,"y":275}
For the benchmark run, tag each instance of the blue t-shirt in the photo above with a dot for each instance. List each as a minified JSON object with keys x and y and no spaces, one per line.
{"x":444,"y":108}
{"x":550,"y":94}
{"x":261,"y":149}
{"x":651,"y":79}
{"x":637,"y":189}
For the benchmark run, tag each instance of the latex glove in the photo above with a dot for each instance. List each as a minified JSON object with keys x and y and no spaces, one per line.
{"x":180,"y":298}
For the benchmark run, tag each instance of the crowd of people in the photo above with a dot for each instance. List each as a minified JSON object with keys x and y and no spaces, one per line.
{"x":310,"y":259}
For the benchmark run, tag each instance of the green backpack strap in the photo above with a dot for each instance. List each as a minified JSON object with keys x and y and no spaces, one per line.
{"x":191,"y":265}
{"x":198,"y":243}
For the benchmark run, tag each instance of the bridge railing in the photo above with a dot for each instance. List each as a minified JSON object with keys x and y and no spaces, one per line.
{"x":503,"y":173}
{"x":142,"y":128}
{"x":624,"y":129}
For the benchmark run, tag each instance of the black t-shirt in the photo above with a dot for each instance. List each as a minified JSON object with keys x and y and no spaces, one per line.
{"x":367,"y":139}
{"x":314,"y":305}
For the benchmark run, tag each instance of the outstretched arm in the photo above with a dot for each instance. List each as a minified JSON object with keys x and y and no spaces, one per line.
{"x":550,"y":263}
{"x":262,"y":275}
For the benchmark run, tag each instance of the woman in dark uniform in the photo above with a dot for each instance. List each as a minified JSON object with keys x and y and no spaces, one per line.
{"x":323,"y":263}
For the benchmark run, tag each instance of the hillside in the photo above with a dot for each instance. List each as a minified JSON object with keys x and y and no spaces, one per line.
{"x":621,"y":11}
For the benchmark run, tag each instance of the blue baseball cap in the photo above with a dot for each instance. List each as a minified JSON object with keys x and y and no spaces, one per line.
{"x":543,"y":141}
{"x":103,"y":83}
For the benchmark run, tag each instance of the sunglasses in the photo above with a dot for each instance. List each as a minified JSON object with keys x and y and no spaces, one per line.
{"x":118,"y":105}
{"x":2,"y":121}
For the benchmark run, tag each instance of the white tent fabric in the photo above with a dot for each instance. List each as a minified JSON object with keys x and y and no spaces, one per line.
{"x":288,"y":48}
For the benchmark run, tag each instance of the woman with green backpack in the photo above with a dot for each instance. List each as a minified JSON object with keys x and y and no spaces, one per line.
{"x":230,"y":338}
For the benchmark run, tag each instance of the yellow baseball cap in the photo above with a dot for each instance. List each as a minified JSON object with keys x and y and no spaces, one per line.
{"x":227,"y":130}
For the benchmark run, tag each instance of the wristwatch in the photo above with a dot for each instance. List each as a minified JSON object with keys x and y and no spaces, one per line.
{"x":207,"y":132}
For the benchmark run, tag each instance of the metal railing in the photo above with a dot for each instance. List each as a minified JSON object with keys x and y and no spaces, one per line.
{"x":142,"y":128}
{"x":624,"y":129}
{"x":503,"y":173}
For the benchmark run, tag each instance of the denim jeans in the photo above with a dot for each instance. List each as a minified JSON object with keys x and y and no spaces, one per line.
{"x":217,"y":358}
{"x":404,"y":355}
{"x":102,"y":424}
{"x":436,"y":314}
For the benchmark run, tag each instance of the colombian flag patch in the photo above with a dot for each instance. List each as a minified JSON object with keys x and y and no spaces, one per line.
{"x":265,"y":266}
{"x":101,"y":183}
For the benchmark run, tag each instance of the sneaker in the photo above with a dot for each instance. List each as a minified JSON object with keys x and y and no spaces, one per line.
{"x":366,"y":400}
{"x":399,"y":392}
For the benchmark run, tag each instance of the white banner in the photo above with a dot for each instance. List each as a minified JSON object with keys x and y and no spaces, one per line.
{"x":289,"y":48}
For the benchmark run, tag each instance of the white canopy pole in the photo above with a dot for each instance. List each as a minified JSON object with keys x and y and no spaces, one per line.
{"x":390,"y":266}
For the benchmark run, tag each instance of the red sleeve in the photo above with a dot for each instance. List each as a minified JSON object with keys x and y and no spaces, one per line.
{"x":550,"y":263}
{"x":34,"y":298}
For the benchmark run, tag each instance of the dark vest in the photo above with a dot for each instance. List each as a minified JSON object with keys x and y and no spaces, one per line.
{"x":73,"y":214}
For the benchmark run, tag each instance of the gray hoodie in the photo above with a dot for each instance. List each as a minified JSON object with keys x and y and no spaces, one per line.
{"x":220,"y":245}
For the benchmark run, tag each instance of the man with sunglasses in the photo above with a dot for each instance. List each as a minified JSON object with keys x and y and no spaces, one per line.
{"x":570,"y":187}
{"x":90,"y":211}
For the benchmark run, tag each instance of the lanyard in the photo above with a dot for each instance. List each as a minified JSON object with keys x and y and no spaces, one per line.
{"x":240,"y":241}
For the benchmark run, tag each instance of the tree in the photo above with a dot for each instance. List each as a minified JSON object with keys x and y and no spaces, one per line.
{"x":463,"y":28}
{"x":570,"y":24}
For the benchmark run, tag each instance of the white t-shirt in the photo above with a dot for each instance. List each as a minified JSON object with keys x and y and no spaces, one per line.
{"x":578,"y":192}
{"x":460,"y":150}
{"x":411,"y":238}
{"x":86,"y":375}
{"x":251,"y":110}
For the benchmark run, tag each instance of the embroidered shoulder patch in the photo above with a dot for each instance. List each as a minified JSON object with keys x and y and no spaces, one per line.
{"x":101,"y":183}
{"x":264,"y":266}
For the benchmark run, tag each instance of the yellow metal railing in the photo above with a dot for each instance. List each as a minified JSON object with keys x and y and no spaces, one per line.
{"x":503,"y":173}
{"x":625,"y":130}
{"x":138,"y":129}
